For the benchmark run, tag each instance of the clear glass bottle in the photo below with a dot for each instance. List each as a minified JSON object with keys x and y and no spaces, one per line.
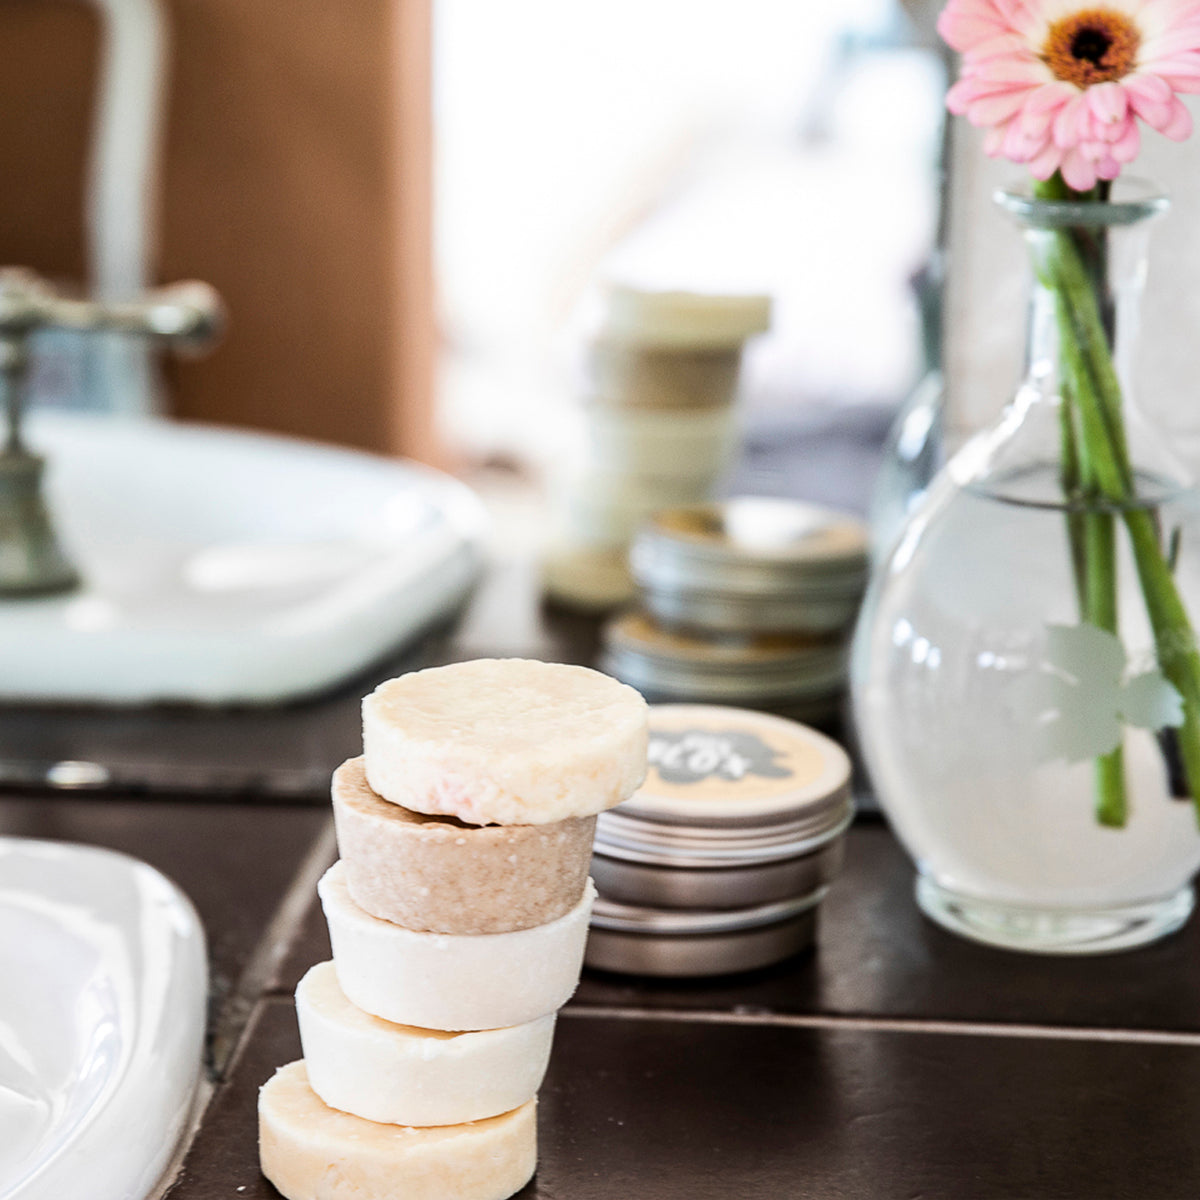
{"x":990,"y":698}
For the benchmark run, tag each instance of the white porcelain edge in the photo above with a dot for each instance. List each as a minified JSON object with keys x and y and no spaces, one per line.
{"x":123,"y":1146}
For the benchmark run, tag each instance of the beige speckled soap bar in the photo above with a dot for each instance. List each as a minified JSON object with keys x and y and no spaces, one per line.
{"x":505,"y":741}
{"x":435,"y":873}
{"x":312,"y":1152}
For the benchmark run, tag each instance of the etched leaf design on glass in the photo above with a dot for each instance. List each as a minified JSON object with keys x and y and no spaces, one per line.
{"x":1082,"y":699}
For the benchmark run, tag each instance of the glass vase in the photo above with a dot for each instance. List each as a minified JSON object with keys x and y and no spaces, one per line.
{"x":1025,"y":676}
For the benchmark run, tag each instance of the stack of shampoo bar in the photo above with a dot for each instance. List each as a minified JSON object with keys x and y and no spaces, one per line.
{"x":458,"y":915}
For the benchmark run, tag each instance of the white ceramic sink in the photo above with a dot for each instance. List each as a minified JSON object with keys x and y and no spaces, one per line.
{"x":222,"y":566}
{"x":103,"y":988}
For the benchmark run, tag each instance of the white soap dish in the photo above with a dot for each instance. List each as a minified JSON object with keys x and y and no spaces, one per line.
{"x":222,"y":566}
{"x":102,"y":1009}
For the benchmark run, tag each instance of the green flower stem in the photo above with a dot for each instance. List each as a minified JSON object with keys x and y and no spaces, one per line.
{"x":1096,"y":553}
{"x":1071,"y":487}
{"x":1106,"y":473}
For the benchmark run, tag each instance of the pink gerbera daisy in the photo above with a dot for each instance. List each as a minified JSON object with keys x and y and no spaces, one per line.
{"x":1060,"y":84}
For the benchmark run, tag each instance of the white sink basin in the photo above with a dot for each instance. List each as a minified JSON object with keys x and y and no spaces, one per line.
{"x":222,"y":566}
{"x":102,"y":1007}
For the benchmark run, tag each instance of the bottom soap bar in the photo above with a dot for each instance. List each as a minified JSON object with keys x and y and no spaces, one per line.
{"x":311,"y":1152}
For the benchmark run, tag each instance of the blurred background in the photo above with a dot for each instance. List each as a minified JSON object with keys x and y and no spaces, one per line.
{"x":597,"y":260}
{"x":405,"y":202}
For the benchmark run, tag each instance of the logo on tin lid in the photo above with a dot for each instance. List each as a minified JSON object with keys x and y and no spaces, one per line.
{"x":688,"y":756}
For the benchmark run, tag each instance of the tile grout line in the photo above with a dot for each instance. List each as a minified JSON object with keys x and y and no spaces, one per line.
{"x":243,"y":1007}
{"x":252,"y":986}
{"x":887,"y":1025}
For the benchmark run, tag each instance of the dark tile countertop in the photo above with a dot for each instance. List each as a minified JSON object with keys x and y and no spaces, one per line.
{"x":894,"y":1061}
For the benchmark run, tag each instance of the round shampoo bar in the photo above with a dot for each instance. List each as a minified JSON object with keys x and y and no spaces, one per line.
{"x":408,"y":1076}
{"x":683,"y":318}
{"x":435,"y":874}
{"x":312,"y":1152}
{"x":505,"y":741}
{"x":452,"y":981}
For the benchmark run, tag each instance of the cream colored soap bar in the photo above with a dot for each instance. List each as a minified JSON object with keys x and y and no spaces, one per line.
{"x":408,"y":1076}
{"x":505,"y":741}
{"x":452,"y":981}
{"x":436,"y":874}
{"x":312,"y":1152}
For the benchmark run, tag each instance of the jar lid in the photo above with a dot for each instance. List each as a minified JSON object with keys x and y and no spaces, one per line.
{"x":753,"y":546}
{"x":759,"y":668}
{"x":682,"y":318}
{"x":737,"y":770}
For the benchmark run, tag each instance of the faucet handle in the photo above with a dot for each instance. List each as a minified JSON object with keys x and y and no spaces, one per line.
{"x":189,"y":316}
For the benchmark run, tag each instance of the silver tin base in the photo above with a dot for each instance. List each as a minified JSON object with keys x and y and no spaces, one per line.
{"x":720,"y":888}
{"x":666,"y":954}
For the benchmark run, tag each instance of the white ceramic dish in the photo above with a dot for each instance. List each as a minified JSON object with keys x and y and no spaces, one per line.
{"x":222,"y":566}
{"x":103,"y":988}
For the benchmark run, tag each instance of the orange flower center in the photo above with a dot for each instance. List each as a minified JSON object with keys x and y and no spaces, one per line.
{"x":1092,"y":46}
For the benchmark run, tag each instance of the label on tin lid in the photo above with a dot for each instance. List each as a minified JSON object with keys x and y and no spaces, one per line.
{"x":710,"y":765}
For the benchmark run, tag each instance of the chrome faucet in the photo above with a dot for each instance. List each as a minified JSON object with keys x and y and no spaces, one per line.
{"x":187,"y":316}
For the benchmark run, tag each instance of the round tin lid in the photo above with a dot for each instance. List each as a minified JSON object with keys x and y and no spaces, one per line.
{"x":752,"y":545}
{"x":754,"y":669}
{"x":629,"y":918}
{"x":716,"y":766}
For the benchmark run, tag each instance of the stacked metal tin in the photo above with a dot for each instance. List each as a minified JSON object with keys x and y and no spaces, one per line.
{"x":747,"y":601}
{"x":719,"y":862}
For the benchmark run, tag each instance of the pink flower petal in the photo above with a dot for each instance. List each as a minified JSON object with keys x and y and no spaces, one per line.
{"x":1177,"y":41}
{"x":1035,"y":124}
{"x":1108,"y":103}
{"x":1069,"y":124}
{"x":1078,"y":172}
{"x":1026,"y":71}
{"x":1126,"y":149}
{"x":993,"y":141}
{"x":1182,"y":66}
{"x":964,"y":25}
{"x":1006,"y":45}
{"x":1146,"y":87}
{"x":1045,"y":164}
{"x":1108,"y":168}
{"x":1051,"y":97}
{"x":1179,"y":124}
{"x":992,"y":110}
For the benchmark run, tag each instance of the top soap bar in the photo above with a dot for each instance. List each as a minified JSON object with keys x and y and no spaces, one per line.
{"x":505,"y":741}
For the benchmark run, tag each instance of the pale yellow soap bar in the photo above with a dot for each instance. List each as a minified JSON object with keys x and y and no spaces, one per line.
{"x":505,"y":741}
{"x":437,"y":874}
{"x":312,"y":1152}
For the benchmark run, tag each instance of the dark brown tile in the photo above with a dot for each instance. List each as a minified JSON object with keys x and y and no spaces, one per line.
{"x":235,"y":862}
{"x":310,"y":945}
{"x":667,"y":1110}
{"x":878,"y":956}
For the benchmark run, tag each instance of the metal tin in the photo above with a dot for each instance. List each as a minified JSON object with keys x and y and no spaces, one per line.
{"x":640,"y":941}
{"x":733,"y":837}
{"x":752,"y":564}
{"x":779,"y":672}
{"x":635,"y":875}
